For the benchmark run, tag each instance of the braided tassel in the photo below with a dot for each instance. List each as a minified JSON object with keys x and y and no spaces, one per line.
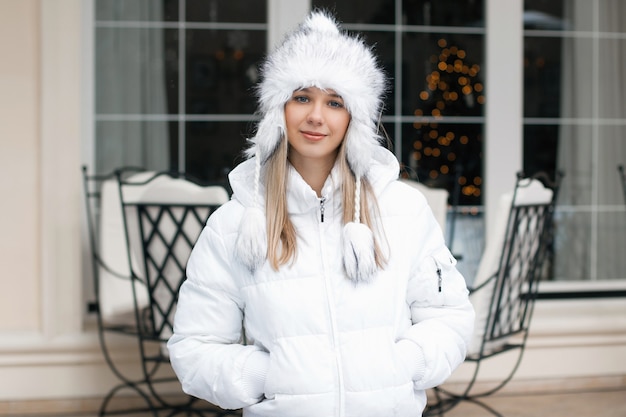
{"x":358,"y":245}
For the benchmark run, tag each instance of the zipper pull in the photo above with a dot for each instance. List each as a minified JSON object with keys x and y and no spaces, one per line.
{"x":439,"y":277}
{"x":322,"y":208}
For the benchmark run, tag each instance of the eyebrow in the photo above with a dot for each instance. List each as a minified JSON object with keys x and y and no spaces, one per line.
{"x":308,"y":90}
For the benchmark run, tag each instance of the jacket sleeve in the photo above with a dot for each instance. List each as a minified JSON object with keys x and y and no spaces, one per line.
{"x":206,"y":349}
{"x":441,"y":313}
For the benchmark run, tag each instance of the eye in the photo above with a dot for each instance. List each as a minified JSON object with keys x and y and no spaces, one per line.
{"x":336,"y":104}
{"x":301,"y":99}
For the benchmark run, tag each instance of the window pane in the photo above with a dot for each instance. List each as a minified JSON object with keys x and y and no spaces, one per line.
{"x":222,"y":69}
{"x":441,"y":155}
{"x":612,"y":56}
{"x":380,"y":12}
{"x":173,"y":150}
{"x":214,"y":148}
{"x":171,"y":10}
{"x":612,"y":14}
{"x":557,"y":77}
{"x":568,"y":148}
{"x":558,"y":15}
{"x":130,"y":68}
{"x":590,"y":166}
{"x":414,"y":12}
{"x":581,"y":254}
{"x":540,"y":148}
{"x":136,"y":10}
{"x":172,"y":70}
{"x":241,"y":11}
{"x":443,"y":13}
{"x":611,"y":244}
{"x":611,"y":152}
{"x":133,"y":143}
{"x":572,"y":252}
{"x":442,"y":75}
{"x":384,"y":48}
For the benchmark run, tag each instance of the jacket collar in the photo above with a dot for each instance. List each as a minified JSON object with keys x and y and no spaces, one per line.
{"x":383,"y":169}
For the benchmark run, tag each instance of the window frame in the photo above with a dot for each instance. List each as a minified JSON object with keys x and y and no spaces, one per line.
{"x":503,"y":110}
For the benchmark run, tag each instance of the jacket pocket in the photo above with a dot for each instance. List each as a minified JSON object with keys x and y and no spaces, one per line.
{"x":436,"y":279}
{"x":445,"y":267}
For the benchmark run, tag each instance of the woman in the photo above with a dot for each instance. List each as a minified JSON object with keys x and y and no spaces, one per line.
{"x":336,"y":272}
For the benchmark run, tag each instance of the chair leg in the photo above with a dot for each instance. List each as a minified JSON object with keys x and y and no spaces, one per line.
{"x":107,"y":399}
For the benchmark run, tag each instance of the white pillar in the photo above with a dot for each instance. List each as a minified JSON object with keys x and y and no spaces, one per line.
{"x":504,"y":93}
{"x":61,"y":282}
{"x":282,"y":17}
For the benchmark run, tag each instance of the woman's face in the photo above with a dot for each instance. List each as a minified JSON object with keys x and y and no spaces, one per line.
{"x":316,"y":121}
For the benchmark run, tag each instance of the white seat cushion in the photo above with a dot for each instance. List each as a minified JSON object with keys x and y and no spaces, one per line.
{"x":437,"y":200}
{"x":116,"y":295}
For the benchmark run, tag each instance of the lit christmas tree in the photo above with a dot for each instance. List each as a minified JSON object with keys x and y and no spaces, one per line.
{"x":447,"y":154}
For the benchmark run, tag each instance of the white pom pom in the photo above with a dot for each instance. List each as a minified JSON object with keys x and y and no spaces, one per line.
{"x":251,"y":245}
{"x":358,"y":252}
{"x":321,"y":22}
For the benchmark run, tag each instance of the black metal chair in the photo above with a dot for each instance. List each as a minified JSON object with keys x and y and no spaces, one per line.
{"x":505,"y":289}
{"x":142,"y":227}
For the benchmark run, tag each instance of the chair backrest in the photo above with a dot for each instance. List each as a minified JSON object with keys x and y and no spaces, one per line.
{"x":437,"y":200}
{"x":116,"y":301}
{"x":505,"y":287}
{"x":161,"y":225}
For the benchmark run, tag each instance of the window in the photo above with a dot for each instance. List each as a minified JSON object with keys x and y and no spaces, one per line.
{"x":172,"y":83}
{"x":433,"y":53}
{"x":575,"y":121}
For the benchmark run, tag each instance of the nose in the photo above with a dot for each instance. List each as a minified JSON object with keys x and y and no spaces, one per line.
{"x":315,"y":115}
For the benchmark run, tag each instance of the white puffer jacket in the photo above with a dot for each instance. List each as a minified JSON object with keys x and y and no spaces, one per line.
{"x":317,"y":344}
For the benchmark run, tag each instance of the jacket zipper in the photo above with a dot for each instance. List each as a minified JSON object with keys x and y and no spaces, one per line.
{"x":332,"y":315}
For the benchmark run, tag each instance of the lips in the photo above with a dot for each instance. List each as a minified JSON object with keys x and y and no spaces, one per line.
{"x":313,"y":136}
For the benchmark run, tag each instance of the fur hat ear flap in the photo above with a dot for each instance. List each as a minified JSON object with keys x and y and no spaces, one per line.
{"x":359,"y":258}
{"x":251,"y":244}
{"x":269,"y":132}
{"x":360,"y":142}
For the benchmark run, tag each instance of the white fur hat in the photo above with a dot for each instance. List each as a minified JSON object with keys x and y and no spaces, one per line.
{"x":320,"y":54}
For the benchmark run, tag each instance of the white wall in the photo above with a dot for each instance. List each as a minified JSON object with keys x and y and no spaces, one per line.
{"x":283,"y":16}
{"x":43,"y":349}
{"x":568,"y":339}
{"x":19,"y":167}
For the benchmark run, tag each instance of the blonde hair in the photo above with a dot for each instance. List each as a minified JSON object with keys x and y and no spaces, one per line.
{"x":281,"y":235}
